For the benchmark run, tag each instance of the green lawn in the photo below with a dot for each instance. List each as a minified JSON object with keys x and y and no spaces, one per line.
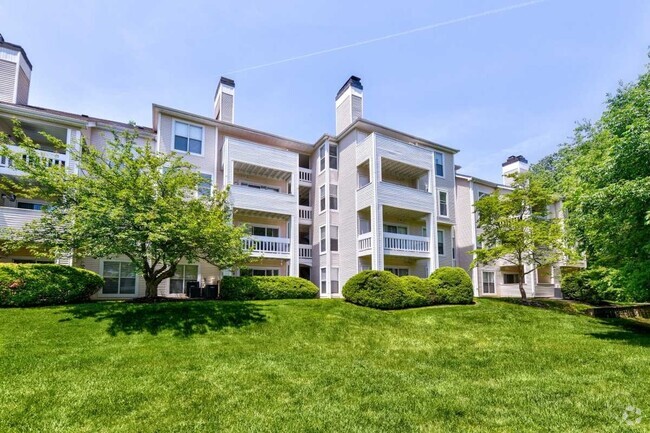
{"x":317,"y":365}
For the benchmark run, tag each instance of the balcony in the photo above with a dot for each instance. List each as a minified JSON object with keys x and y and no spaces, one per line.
{"x":15,"y":218}
{"x":305,"y":214}
{"x":269,"y":247}
{"x":305,"y":175}
{"x":406,"y":245}
{"x":305,"y":252}
{"x":264,"y":200}
{"x":365,"y":243}
{"x":50,"y":158}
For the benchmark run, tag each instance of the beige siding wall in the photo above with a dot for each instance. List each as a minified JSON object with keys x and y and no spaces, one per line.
{"x":22,"y":95}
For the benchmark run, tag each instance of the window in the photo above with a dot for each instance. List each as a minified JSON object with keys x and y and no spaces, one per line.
{"x":323,"y":240}
{"x":323,"y":280}
{"x":488,"y":282}
{"x":510,"y":278}
{"x":321,"y":158}
{"x":322,"y":198}
{"x":334,"y":238}
{"x":442,"y":204}
{"x":183,"y":275}
{"x":119,"y":278}
{"x":205,"y":186}
{"x":334,"y":200}
{"x":441,"y":242}
{"x":258,"y":186}
{"x":481,"y":194}
{"x":334,"y":157}
{"x":270,"y":232}
{"x":32,"y":206}
{"x":334,"y":280}
{"x":400,"y":272}
{"x":188,"y":138}
{"x":259,"y":272}
{"x":392,"y":228}
{"x":363,"y":179}
{"x":440,"y":163}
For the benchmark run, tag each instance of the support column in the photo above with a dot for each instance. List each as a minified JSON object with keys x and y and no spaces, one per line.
{"x":433,"y":246}
{"x":377,"y":229}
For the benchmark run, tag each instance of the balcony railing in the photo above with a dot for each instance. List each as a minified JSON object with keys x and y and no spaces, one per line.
{"x":16,"y":217}
{"x":305,"y":212}
{"x":268,"y":246}
{"x":305,"y":252}
{"x":304,"y":174}
{"x":50,"y":159}
{"x":365,"y":241}
{"x":406,"y":243}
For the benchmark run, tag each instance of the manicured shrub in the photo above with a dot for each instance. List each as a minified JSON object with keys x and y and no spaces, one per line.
{"x":592,"y":285}
{"x":383,"y":290}
{"x":452,"y":286}
{"x":251,"y":288}
{"x":45,"y":284}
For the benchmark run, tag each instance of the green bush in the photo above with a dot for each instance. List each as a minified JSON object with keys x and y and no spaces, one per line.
{"x":452,"y":286}
{"x":251,"y":288}
{"x":45,"y":284}
{"x":383,"y":290}
{"x":592,"y":286}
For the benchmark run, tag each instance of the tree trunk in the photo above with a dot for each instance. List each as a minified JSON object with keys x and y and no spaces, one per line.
{"x":152,"y":288}
{"x":521,"y":286}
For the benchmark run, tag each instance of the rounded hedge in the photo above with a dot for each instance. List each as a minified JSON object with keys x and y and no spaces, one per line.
{"x":452,"y":286}
{"x":383,"y":290}
{"x":252,"y":288}
{"x":24,"y":285}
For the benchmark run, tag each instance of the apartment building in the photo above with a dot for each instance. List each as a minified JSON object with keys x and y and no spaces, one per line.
{"x":365,"y":197}
{"x":501,"y":278}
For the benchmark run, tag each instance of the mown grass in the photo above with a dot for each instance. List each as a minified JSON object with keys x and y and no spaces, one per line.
{"x":317,"y":365}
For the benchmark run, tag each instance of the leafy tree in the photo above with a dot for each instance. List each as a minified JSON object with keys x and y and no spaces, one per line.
{"x":516,"y":227}
{"x":126,"y":200}
{"x":604,"y":177}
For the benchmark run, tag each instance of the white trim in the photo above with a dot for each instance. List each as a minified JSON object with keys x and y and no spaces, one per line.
{"x":173,"y":138}
{"x":320,"y":240}
{"x":320,"y":280}
{"x":444,"y":250}
{"x":325,"y":156}
{"x":326,"y":197}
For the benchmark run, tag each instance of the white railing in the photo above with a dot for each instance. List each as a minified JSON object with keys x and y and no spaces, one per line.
{"x":409,"y":243}
{"x":50,"y":158}
{"x":268,"y":246}
{"x":305,"y":251}
{"x":305,"y":212}
{"x":16,"y":217}
{"x":304,"y":174}
{"x":365,"y":241}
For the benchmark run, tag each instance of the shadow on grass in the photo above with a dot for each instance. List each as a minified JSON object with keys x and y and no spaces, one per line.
{"x":183,"y":319}
{"x":629,"y":331}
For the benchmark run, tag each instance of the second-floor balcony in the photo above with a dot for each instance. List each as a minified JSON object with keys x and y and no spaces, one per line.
{"x":305,"y":175}
{"x":48,"y":157}
{"x":269,"y":247}
{"x":396,"y":244}
{"x":15,"y":217}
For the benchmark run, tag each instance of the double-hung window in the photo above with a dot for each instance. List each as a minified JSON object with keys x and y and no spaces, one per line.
{"x":334,"y":238}
{"x":323,"y":280}
{"x":321,"y":158}
{"x":119,"y":278}
{"x":443,"y":208}
{"x":322,"y":200}
{"x":334,"y":197}
{"x":269,"y":232}
{"x":334,"y":280}
{"x":488,"y":282}
{"x":183,"y":275}
{"x":334,"y":157}
{"x":188,"y":138}
{"x":441,"y":242}
{"x":440,"y":163}
{"x":323,"y":239}
{"x":205,"y":186}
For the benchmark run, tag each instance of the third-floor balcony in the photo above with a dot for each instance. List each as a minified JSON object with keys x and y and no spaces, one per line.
{"x":49,"y":158}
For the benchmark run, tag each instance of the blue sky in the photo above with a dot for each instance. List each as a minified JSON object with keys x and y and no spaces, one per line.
{"x":509,"y":83}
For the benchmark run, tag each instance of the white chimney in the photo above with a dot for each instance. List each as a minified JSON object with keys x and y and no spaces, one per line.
{"x":514,"y":164}
{"x":349,"y":103}
{"x":15,"y":73}
{"x":224,"y":100}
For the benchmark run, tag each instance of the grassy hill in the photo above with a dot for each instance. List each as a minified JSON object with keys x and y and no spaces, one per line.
{"x":317,"y":365}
